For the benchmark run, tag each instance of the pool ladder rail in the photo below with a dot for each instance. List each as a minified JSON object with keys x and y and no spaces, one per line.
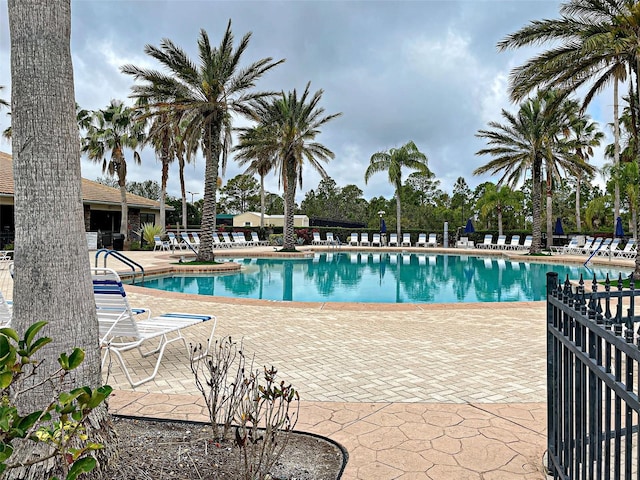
{"x":124,"y":259}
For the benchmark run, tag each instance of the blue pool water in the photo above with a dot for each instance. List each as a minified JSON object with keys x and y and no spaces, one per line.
{"x":381,"y":278}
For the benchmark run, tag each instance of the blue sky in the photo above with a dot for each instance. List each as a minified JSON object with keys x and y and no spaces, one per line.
{"x":427,"y":71}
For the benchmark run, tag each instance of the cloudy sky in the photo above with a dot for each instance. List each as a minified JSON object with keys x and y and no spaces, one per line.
{"x":426,"y":71}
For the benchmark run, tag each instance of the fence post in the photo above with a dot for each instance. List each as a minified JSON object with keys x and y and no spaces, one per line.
{"x":552,"y":424}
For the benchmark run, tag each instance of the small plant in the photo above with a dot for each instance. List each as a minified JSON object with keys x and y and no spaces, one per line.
{"x":264,"y":412}
{"x":150,"y":230}
{"x":61,"y":422}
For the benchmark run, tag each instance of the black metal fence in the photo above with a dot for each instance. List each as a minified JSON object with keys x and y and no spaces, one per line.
{"x":593,"y":380}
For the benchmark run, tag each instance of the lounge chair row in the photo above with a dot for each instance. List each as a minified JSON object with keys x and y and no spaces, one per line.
{"x":363,"y":240}
{"x":501,"y":243}
{"x":599,"y":246}
{"x":237,"y":239}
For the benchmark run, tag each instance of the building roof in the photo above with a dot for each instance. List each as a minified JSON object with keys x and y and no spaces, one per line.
{"x":92,"y":192}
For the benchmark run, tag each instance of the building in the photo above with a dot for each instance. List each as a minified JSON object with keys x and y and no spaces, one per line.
{"x":102,"y":210}
{"x":252,"y":219}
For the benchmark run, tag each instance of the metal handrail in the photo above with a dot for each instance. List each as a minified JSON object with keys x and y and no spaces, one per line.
{"x":124,"y":259}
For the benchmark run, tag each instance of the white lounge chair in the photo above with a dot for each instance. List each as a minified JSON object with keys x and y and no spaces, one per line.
{"x":526,"y":245}
{"x":120,"y":331}
{"x":501,"y":243}
{"x":240,"y":240}
{"x":375,"y":241}
{"x":331,"y":240}
{"x":514,"y":243}
{"x":573,"y":243}
{"x":464,"y":242}
{"x":586,"y":247}
{"x":174,"y":243}
{"x":158,"y":244}
{"x":364,"y":239}
{"x":6,"y":312}
{"x":594,"y":247}
{"x":227,"y":240}
{"x":433,"y":240}
{"x":610,"y":249}
{"x":217,"y":243}
{"x":629,"y":250}
{"x":256,"y":240}
{"x":422,"y":240}
{"x":604,"y":247}
{"x":316,"y":239}
{"x":353,"y":240}
{"x":196,"y":239}
{"x":406,"y":239}
{"x":488,"y":241}
{"x":191,"y":245}
{"x":393,"y":239}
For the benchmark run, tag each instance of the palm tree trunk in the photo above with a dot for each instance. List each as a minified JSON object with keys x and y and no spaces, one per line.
{"x":549,"y":195}
{"x":124,"y":209}
{"x":183,"y":191}
{"x":289,"y":205}
{"x":52,"y":278}
{"x":262,"y":201}
{"x":212,"y":162}
{"x":536,"y":204}
{"x":164,"y":180}
{"x":499,"y":209}
{"x":578,"y":219}
{"x":616,"y":152}
{"x":398,"y":214}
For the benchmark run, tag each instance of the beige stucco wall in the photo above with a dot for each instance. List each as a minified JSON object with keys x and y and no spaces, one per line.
{"x":252,"y":219}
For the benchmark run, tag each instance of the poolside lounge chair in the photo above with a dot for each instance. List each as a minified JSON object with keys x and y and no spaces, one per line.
{"x":256,"y":240}
{"x":406,"y":239}
{"x":120,"y":331}
{"x":514,"y":243}
{"x":6,"y":312}
{"x":240,"y":240}
{"x":217,"y":243}
{"x":610,"y":249}
{"x":187,"y":241}
{"x":500,"y":244}
{"x":364,"y":239}
{"x":604,"y":247}
{"x":174,"y":243}
{"x":629,"y":250}
{"x":353,"y":240}
{"x":573,"y":243}
{"x":158,"y":244}
{"x":316,"y":239}
{"x":331,"y":240}
{"x":433,"y":240}
{"x":594,"y":247}
{"x":487,"y":243}
{"x":375,"y":241}
{"x":227,"y":240}
{"x":196,"y":239}
{"x":422,"y":240}
{"x":393,"y":239}
{"x":584,"y":248}
{"x":526,"y":245}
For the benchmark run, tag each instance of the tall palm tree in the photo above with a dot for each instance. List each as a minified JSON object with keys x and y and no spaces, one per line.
{"x":392,"y":162}
{"x":161,"y":136}
{"x":205,"y":96}
{"x":110,"y":132}
{"x":521,"y":144}
{"x":288,"y":125}
{"x":185,"y":151}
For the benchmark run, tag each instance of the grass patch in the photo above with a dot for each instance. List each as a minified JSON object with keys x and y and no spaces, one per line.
{"x":288,"y":250}
{"x":626,"y":283}
{"x":194,"y":263}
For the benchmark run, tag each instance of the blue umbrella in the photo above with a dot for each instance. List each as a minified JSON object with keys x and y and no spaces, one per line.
{"x":558,"y":228}
{"x":619,"y":230}
{"x":383,"y":226}
{"x":469,"y":227}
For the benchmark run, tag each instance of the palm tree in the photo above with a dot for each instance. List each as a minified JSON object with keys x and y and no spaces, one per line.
{"x":521,"y":144}
{"x":110,"y":132}
{"x":287,"y":128}
{"x":161,"y":137}
{"x":205,"y":96}
{"x":407,"y":156}
{"x":185,"y":151}
{"x":496,"y":198}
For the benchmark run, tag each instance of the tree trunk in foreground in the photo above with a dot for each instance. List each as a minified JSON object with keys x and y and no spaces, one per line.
{"x":52,"y":278}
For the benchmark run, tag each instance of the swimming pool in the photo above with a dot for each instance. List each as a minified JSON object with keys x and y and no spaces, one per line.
{"x":381,"y":278}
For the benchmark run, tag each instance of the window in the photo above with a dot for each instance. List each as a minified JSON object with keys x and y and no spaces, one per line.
{"x":247,"y":224}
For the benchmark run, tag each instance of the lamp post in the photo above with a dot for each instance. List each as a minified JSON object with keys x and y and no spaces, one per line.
{"x":192,"y":194}
{"x":382,"y":238}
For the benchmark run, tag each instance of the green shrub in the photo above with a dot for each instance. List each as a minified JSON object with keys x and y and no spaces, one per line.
{"x":150,"y":230}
